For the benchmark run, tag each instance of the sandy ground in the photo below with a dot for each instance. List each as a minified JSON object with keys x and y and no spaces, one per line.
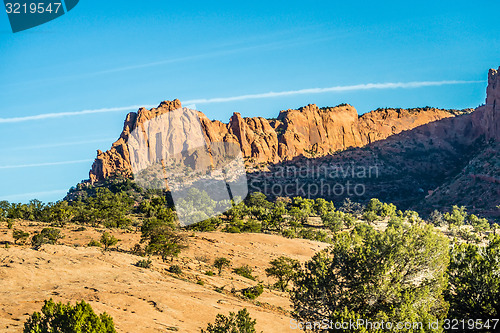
{"x":143,"y":300}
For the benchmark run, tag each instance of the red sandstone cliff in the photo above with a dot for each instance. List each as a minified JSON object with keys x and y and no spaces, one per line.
{"x":425,"y":158}
{"x":309,"y":131}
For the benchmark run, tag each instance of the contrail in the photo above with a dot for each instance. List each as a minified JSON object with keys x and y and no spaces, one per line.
{"x":72,"y":113}
{"x":357,"y":87}
{"x":60,"y":144}
{"x":33,"y":194}
{"x":35,"y":165}
{"x":198,"y":56}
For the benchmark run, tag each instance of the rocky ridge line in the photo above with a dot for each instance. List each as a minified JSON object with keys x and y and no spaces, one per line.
{"x":310,"y":131}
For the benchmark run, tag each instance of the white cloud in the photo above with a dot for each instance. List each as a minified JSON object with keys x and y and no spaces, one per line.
{"x":70,"y":114}
{"x":36,"y":165}
{"x":59,"y":144}
{"x":32,"y":195}
{"x":357,"y":87}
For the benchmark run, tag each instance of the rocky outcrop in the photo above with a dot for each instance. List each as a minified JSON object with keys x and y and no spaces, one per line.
{"x":450,"y":161}
{"x":486,"y":119}
{"x":315,"y":132}
{"x":422,"y":159}
{"x":117,"y":159}
{"x":310,"y":131}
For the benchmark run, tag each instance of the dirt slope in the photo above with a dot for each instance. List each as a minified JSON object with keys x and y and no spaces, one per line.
{"x":143,"y":300}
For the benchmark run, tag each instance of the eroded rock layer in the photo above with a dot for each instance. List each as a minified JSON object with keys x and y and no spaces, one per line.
{"x":310,"y":131}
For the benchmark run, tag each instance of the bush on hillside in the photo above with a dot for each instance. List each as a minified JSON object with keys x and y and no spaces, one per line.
{"x":46,"y":236}
{"x":59,"y":317}
{"x":234,"y":323}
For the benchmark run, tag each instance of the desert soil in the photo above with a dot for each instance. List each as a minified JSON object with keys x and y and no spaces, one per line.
{"x":139,"y":299}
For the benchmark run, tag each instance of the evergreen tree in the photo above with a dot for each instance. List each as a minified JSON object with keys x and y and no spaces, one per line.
{"x":397,"y":275}
{"x":474,"y":280}
{"x":59,"y":317}
{"x":283,"y":269}
{"x":234,"y":323}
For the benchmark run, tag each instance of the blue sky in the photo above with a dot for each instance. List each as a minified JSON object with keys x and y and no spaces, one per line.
{"x":117,"y":54}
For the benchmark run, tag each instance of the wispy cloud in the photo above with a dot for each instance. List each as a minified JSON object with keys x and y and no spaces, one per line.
{"x":218,"y":51}
{"x":70,"y":114}
{"x":36,"y":165}
{"x":32,"y":195}
{"x":59,"y":144}
{"x":356,"y":87}
{"x":223,"y":52}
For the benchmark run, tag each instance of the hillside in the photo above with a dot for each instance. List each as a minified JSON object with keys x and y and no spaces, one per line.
{"x":139,"y":299}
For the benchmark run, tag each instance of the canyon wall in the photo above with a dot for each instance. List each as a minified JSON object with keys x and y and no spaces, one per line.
{"x":310,"y":131}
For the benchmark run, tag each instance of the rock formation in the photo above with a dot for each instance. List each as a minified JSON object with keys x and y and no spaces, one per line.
{"x":423,"y":158}
{"x":451,"y":161}
{"x":309,"y":131}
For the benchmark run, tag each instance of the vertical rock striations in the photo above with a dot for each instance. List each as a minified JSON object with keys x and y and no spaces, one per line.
{"x":309,"y":131}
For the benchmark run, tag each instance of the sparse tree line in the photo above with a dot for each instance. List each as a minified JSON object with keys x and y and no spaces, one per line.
{"x":119,"y":203}
{"x":408,"y":271}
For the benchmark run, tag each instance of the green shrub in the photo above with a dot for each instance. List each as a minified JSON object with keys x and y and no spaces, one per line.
{"x":253,"y":292}
{"x":220,"y":263}
{"x":175,"y":269}
{"x":251,"y":226}
{"x":369,"y":216}
{"x":20,"y":235}
{"x":456,"y":217}
{"x":289,"y":233}
{"x":200,"y":282}
{"x":210,"y":224}
{"x":395,"y":221}
{"x":245,"y":271}
{"x":234,"y":323}
{"x":100,"y":206}
{"x":398,"y":274}
{"x":317,"y":235}
{"x":209,"y":273}
{"x":46,"y":236}
{"x":144,"y":263}
{"x":108,"y":240}
{"x":10,"y":223}
{"x":473,"y":280}
{"x":380,"y":209}
{"x":283,"y":269}
{"x":232,"y":229}
{"x":95,"y":243}
{"x":59,"y":317}
{"x":137,"y":250}
{"x":479,"y":224}
{"x":436,"y":218}
{"x":333,"y":220}
{"x":161,"y":238}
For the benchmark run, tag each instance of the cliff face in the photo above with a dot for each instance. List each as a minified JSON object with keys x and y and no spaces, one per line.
{"x":486,"y":119}
{"x":308,"y":131}
{"x":450,"y":161}
{"x":422,"y":159}
{"x":117,"y":159}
